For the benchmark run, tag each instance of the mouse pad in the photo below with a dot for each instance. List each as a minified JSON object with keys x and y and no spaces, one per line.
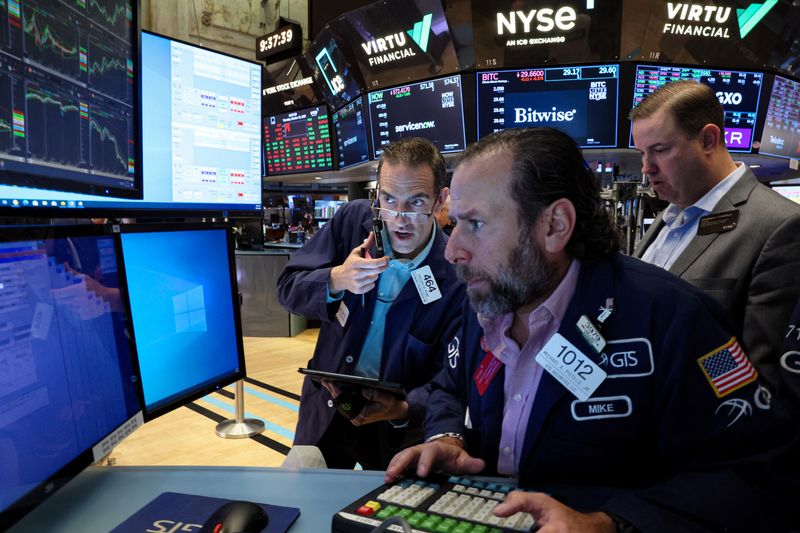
{"x":174,"y":511}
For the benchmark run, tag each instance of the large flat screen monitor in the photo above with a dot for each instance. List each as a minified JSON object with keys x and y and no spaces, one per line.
{"x":350,"y":124}
{"x":781,"y":136}
{"x":738,"y":91}
{"x":185,"y":308}
{"x":201,"y":139}
{"x":298,"y":141}
{"x":68,"y":104}
{"x":578,"y":100}
{"x":432,"y":109}
{"x":68,"y":384}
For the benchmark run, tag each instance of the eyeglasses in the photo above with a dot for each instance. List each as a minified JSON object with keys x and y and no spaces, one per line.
{"x":407,"y":216}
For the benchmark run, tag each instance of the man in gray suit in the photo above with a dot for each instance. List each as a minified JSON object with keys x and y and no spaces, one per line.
{"x":723,"y":231}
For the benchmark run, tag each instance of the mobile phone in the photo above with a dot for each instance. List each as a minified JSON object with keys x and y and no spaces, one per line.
{"x":377,"y":227}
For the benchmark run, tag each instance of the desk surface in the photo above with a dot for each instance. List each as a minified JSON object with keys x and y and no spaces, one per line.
{"x":100,"y":498}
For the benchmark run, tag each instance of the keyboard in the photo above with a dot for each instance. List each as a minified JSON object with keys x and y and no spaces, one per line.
{"x":440,"y":504}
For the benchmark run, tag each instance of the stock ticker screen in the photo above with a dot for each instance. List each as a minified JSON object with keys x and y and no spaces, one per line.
{"x":781,"y":136}
{"x":737,"y":91}
{"x":351,"y":134}
{"x":67,"y":95}
{"x":298,"y":141}
{"x":581,"y":101}
{"x":431,"y":109}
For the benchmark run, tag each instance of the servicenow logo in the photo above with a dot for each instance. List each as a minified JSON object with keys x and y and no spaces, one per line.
{"x":414,"y":126}
{"x":527,"y":115}
{"x":394,"y":46}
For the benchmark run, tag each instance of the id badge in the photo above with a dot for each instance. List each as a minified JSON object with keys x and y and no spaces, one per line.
{"x":426,"y":285}
{"x":570,"y":367}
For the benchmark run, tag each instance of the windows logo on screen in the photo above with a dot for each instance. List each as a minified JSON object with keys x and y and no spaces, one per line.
{"x":189,"y":308}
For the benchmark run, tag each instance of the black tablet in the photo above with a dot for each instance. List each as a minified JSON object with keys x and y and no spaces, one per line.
{"x":359,"y":381}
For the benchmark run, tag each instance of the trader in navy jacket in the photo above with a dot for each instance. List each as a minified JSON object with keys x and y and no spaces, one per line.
{"x":579,"y":367}
{"x":387,"y":317}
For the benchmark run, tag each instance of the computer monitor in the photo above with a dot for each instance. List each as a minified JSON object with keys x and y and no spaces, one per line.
{"x":68,"y":104}
{"x":201,"y":140}
{"x":350,"y":124}
{"x":579,"y":100}
{"x":298,"y":141}
{"x":738,"y":91}
{"x":68,"y":384}
{"x":781,"y":135}
{"x":792,"y":192}
{"x":432,"y":109}
{"x":184,"y":303}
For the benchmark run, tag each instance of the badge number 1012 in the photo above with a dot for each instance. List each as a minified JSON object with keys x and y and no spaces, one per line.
{"x":579,"y":374}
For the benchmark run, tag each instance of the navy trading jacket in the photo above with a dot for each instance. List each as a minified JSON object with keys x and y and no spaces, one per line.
{"x":675,"y":450}
{"x":789,"y":385}
{"x":416,"y":335}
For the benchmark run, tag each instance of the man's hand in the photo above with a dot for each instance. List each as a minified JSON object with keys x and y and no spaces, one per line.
{"x":357,"y":274}
{"x":553,"y":516}
{"x":447,"y":453}
{"x":380,"y":406}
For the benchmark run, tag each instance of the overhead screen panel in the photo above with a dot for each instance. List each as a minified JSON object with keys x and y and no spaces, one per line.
{"x":351,"y":134}
{"x":738,"y":92}
{"x":431,"y":109}
{"x":514,"y":33}
{"x":332,"y":64}
{"x":68,"y":97}
{"x":289,"y":84}
{"x":781,"y":136}
{"x":201,"y":132}
{"x":579,"y":100}
{"x":399,"y":41}
{"x":725,"y":32}
{"x":298,"y":141}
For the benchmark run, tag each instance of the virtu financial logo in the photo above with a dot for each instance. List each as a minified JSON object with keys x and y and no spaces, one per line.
{"x":393,"y":47}
{"x":711,"y":21}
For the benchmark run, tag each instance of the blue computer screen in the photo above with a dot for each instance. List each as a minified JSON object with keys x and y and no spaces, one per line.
{"x":66,"y":378}
{"x":182,"y":303}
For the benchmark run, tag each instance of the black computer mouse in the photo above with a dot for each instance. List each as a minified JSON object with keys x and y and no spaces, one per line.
{"x":237,"y":517}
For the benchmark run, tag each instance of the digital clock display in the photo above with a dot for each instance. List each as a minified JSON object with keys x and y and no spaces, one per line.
{"x":280,"y":42}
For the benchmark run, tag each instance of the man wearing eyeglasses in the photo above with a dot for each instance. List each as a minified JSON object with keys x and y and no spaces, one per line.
{"x":386,"y":316}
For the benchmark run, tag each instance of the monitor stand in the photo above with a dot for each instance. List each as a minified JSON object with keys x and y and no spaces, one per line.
{"x":239,"y":427}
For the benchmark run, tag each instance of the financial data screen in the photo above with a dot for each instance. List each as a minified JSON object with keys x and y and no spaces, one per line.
{"x":781,"y":135}
{"x":351,"y":134}
{"x":431,"y":109}
{"x":201,"y":136}
{"x":581,"y":101}
{"x":737,"y":91}
{"x":67,"y":98}
{"x":298,"y":141}
{"x":66,"y":370}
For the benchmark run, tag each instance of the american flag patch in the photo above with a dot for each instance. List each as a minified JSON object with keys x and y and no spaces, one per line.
{"x":727,"y":368}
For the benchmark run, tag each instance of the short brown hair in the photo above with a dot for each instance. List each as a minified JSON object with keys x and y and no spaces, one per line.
{"x":413,"y":152}
{"x":691,"y":104}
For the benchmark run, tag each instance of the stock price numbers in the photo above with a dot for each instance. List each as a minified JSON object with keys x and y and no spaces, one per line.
{"x":530,"y":75}
{"x":283,"y":42}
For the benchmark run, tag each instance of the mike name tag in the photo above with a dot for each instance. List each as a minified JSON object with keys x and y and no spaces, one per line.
{"x":426,"y":284}
{"x":718,"y":223}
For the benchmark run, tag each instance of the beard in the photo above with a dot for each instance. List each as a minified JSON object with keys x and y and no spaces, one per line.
{"x":526,"y":279}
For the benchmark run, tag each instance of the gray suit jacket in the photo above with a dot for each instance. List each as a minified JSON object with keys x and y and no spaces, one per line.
{"x":752,"y":270}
